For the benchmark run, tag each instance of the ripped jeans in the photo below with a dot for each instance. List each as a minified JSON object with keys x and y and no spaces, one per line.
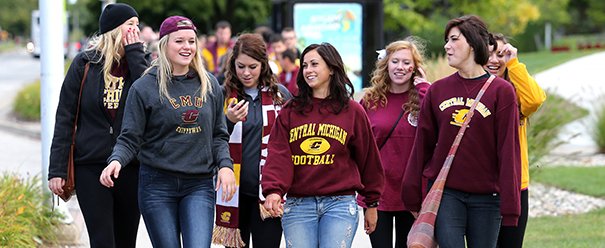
{"x":320,"y":221}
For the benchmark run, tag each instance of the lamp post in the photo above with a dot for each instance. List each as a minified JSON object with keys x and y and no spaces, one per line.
{"x":105,"y":3}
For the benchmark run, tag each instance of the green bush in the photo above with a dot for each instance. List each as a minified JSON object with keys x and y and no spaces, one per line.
{"x":25,"y":218}
{"x":27,"y":102}
{"x":598,"y":128}
{"x":7,"y":46}
{"x":546,"y":124}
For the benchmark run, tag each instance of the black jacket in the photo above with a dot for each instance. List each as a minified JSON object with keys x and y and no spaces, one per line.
{"x":96,"y":133}
{"x":252,"y":130}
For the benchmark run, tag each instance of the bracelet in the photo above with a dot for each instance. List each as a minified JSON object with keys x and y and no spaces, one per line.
{"x":372,"y":205}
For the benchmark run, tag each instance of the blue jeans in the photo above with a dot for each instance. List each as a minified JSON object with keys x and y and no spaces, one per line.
{"x":173,"y":206}
{"x":320,"y":221}
{"x":476,"y":216}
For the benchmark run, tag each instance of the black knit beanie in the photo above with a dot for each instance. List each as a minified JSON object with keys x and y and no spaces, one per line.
{"x":115,"y":15}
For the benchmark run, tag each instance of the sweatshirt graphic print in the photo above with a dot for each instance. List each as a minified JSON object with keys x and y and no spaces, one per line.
{"x":320,"y":153}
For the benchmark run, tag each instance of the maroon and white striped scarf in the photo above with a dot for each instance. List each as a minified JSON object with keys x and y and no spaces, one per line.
{"x":226,"y":231}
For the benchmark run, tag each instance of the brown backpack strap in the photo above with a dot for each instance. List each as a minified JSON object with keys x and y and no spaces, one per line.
{"x":73,"y":136}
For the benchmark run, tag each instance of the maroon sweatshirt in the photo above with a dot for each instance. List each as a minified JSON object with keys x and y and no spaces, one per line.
{"x":488,"y":158}
{"x":319,"y":153}
{"x":396,"y":151}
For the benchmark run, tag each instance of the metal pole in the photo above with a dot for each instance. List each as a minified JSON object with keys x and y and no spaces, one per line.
{"x":548,"y":36}
{"x":52,"y":25}
{"x":51,"y":73}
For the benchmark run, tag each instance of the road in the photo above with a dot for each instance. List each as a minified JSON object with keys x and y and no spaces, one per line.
{"x":17,"y":68}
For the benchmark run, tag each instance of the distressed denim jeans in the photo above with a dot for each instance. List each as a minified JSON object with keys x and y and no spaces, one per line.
{"x":320,"y":221}
{"x":176,"y":208}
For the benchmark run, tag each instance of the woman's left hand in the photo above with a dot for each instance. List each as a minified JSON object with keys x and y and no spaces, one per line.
{"x":509,"y":52}
{"x":370,"y":220}
{"x":226,"y":180}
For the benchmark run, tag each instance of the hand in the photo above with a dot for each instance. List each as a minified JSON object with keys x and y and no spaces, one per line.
{"x":237,"y":112}
{"x":420,"y":78}
{"x":371,"y":217}
{"x":131,"y":37}
{"x":415,"y":214}
{"x":509,"y":52}
{"x":55,"y":185}
{"x":113,"y":169}
{"x":226,"y":180}
{"x":273,"y":205}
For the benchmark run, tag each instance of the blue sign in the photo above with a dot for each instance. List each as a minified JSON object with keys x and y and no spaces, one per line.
{"x":340,"y":24}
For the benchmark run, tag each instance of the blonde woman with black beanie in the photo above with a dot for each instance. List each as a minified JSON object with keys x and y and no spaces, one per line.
{"x":115,"y":59}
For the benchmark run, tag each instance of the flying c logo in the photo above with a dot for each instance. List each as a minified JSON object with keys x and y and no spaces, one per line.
{"x":226,"y":217}
{"x":315,"y":145}
{"x":190,"y":116}
{"x":458,"y":117}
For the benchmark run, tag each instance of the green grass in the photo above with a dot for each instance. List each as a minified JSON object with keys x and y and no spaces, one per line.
{"x":570,"y":231}
{"x":540,"y":61}
{"x":25,"y":215}
{"x":583,"y":180}
{"x":6,"y":46}
{"x":27,"y":103}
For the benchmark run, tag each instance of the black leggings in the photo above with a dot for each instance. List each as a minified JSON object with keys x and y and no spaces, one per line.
{"x":382,"y":237}
{"x":265,"y":233}
{"x":512,"y":236}
{"x":111,"y":214}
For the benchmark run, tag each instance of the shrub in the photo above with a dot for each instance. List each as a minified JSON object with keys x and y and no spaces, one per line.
{"x":438,"y":68}
{"x":27,"y":102}
{"x":25,"y":217}
{"x":546,"y":124}
{"x":598,"y":127}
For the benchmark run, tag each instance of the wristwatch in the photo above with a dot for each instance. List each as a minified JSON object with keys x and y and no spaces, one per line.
{"x":372,"y":204}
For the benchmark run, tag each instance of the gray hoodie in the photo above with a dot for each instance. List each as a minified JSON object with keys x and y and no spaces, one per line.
{"x":180,"y":135}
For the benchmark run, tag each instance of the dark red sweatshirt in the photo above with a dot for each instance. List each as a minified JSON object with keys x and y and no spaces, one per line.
{"x":397,"y":147}
{"x":319,"y":153}
{"x":488,"y":158}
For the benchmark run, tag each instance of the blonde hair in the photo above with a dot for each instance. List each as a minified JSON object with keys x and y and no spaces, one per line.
{"x":164,"y":71}
{"x":376,"y":94}
{"x":110,"y":46}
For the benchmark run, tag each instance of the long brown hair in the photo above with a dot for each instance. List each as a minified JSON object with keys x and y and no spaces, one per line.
{"x":253,"y":46}
{"x":341,"y":88}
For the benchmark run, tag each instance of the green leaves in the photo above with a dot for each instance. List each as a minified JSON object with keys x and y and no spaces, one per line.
{"x":25,"y":219}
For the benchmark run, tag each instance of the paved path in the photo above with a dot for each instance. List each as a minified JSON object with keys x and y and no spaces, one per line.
{"x":580,"y":81}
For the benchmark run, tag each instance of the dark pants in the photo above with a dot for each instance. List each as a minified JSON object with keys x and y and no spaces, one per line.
{"x":265,"y":233}
{"x":111,"y":214}
{"x":382,"y":237}
{"x":475,"y":217}
{"x":512,"y":236}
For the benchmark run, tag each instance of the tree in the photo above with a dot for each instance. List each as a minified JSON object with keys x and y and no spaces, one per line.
{"x":242,"y":14}
{"x":427,"y":18}
{"x":15,"y":16}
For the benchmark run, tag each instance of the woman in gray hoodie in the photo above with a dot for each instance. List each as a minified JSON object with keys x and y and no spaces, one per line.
{"x":175,"y":125}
